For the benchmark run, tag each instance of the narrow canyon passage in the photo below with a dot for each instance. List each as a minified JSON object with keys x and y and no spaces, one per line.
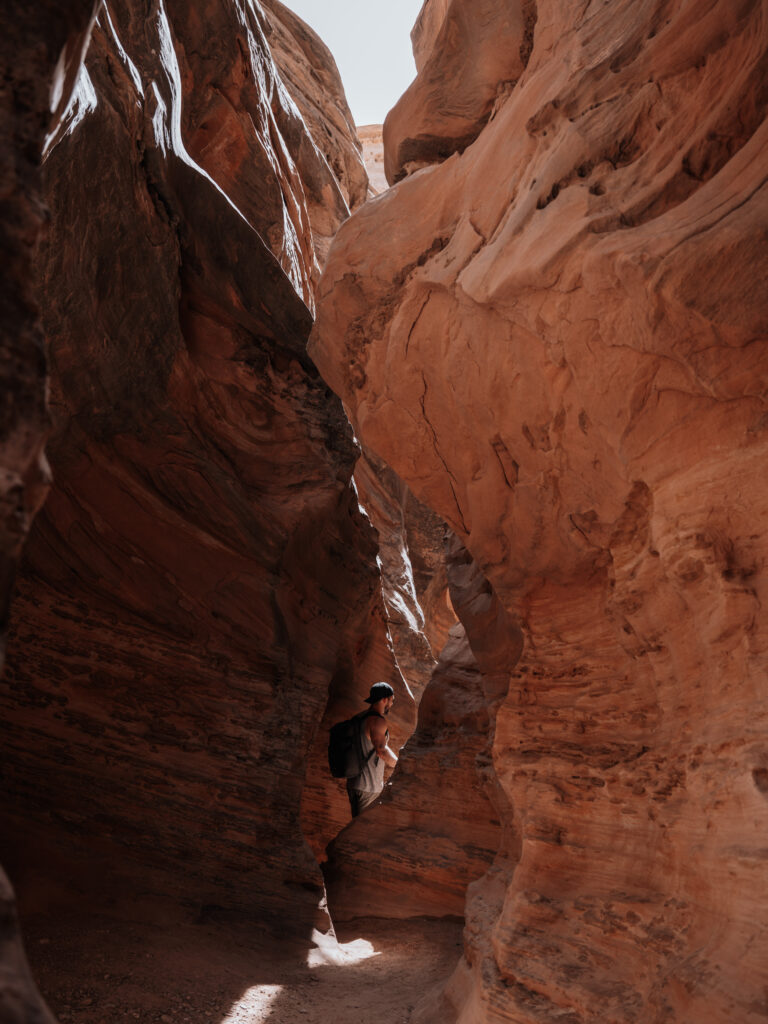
{"x":494,"y":434}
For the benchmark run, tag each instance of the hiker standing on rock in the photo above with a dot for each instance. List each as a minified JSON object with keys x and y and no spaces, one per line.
{"x":365,"y":788}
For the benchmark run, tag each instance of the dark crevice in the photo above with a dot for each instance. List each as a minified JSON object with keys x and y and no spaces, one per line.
{"x":425,"y":150}
{"x":530,"y":17}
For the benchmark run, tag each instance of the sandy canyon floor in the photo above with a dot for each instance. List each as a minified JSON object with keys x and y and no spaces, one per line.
{"x":95,"y":968}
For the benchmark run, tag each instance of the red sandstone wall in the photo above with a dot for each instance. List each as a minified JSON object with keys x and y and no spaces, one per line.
{"x":201,"y":573}
{"x":411,"y":553}
{"x":556,"y":335}
{"x":310,"y":74}
{"x":40,"y":53}
{"x":41,"y":46}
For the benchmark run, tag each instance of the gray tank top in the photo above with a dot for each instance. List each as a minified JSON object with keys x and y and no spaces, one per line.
{"x":371,"y":778}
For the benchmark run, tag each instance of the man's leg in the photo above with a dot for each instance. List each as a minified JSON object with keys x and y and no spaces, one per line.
{"x":367,"y":800}
{"x":360,"y":800}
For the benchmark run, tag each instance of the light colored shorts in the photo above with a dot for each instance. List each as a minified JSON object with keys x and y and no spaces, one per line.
{"x":360,"y":800}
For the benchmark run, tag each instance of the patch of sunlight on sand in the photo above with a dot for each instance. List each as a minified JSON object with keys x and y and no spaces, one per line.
{"x":253,"y":1005}
{"x":328,"y":951}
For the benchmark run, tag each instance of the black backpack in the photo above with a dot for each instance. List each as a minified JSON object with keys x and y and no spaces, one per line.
{"x":345,"y":748}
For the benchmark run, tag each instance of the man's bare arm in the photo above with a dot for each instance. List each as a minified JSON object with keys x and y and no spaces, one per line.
{"x":378,"y":734}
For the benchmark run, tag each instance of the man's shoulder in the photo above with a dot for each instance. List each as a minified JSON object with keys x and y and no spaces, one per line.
{"x":377,"y":724}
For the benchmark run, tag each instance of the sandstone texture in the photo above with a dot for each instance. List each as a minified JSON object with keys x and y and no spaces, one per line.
{"x":467,"y":55}
{"x":199,"y":595}
{"x":556,"y":336}
{"x":412,"y":561}
{"x":312,"y":79}
{"x":41,"y":49}
{"x":40,"y":53}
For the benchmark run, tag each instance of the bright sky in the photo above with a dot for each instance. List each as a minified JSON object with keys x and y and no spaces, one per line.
{"x":371,"y":44}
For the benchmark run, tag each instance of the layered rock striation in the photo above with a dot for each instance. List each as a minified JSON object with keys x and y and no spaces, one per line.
{"x":201,"y":577}
{"x":411,"y":553}
{"x":556,"y":335}
{"x":40,"y":54}
{"x":419,"y":616}
{"x":41,"y":49}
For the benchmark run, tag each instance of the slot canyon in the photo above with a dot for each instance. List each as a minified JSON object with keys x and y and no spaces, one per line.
{"x":273,"y":431}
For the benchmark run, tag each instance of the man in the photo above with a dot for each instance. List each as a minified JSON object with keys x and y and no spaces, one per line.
{"x":366,"y":787}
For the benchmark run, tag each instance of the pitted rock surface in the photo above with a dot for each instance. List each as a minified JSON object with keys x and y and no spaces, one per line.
{"x":558,"y":342}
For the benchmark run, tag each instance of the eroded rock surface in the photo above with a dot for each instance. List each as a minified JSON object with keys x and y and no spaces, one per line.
{"x":557,"y":338}
{"x":40,"y":54}
{"x":412,"y":568}
{"x":41,"y":48}
{"x":201,"y":571}
{"x":418,"y":616}
{"x":468,"y":53}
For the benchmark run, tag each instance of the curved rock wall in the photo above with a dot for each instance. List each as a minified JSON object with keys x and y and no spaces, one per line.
{"x":467,"y":55}
{"x":41,"y":49}
{"x":412,"y":567}
{"x":312,"y":78}
{"x":201,"y":573}
{"x":557,"y":338}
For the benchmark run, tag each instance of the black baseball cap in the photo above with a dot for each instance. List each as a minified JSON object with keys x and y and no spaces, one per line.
{"x":378,"y":692}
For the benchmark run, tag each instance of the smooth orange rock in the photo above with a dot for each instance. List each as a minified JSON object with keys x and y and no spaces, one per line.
{"x":427,"y":535}
{"x":435,"y":830}
{"x":410,"y":548}
{"x":468,"y":54}
{"x":557,"y":339}
{"x":426,"y":30}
